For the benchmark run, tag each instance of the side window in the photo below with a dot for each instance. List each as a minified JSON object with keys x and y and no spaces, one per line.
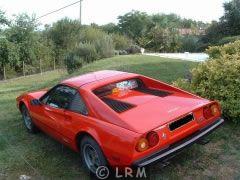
{"x":78,"y":105}
{"x":60,"y":97}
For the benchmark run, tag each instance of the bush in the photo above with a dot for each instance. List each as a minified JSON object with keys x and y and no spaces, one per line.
{"x":121,"y":42}
{"x":73,"y":62}
{"x":227,"y":40}
{"x":86,"y":52}
{"x":134,"y":49}
{"x":189,"y":43}
{"x":123,"y":52}
{"x":102,"y":42}
{"x":218,"y":79}
{"x":227,"y":49}
{"x":29,"y":69}
{"x":104,"y":47}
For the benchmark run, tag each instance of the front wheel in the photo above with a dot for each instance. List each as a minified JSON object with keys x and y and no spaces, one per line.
{"x":91,"y":155}
{"x":27,"y":120}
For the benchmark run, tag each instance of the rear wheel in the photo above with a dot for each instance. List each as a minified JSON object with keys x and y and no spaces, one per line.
{"x":91,"y":155}
{"x":27,"y":120}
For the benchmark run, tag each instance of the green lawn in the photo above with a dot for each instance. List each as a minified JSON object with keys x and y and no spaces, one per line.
{"x":39,"y":156}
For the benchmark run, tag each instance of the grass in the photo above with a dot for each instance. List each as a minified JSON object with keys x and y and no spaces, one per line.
{"x":39,"y":156}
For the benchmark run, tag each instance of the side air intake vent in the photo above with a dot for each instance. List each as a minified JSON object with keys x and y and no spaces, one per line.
{"x":181,"y":122}
{"x":154,"y":92}
{"x":116,"y":105}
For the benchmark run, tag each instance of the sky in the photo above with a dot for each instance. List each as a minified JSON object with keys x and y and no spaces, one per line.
{"x":106,"y":11}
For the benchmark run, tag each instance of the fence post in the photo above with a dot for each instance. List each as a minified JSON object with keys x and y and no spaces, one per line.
{"x":23,"y":69}
{"x":54,"y":64}
{"x":4,"y":72}
{"x":40,"y":62}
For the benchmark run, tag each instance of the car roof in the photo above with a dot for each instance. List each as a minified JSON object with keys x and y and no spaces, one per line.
{"x":92,"y":77}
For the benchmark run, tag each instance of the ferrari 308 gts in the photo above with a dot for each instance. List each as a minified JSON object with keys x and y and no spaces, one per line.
{"x":119,"y":119}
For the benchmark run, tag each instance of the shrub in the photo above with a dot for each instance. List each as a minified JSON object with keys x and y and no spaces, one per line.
{"x":104,"y":47}
{"x":121,"y":42}
{"x":229,"y":39}
{"x":189,"y":43}
{"x":123,"y":52}
{"x":227,"y":49}
{"x":102,"y":42}
{"x":218,"y":79}
{"x":73,"y":62}
{"x":86,"y":52}
{"x":29,"y":69}
{"x":134,"y":49}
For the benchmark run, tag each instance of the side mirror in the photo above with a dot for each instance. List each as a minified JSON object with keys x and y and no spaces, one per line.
{"x":36,"y":102}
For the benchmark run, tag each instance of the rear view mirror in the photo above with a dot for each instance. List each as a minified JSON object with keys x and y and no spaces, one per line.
{"x":35,"y":102}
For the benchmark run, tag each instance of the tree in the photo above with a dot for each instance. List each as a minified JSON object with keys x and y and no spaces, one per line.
{"x":65,"y":36}
{"x":134,"y":24}
{"x":231,"y":18}
{"x":44,"y":53}
{"x":166,"y":20}
{"x":22,"y":33}
{"x":3,"y":20}
{"x":163,"y":40}
{"x":110,"y":28}
{"x":8,"y":55}
{"x":4,"y":55}
{"x":229,"y":24}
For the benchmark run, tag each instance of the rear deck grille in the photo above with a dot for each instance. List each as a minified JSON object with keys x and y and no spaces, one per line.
{"x":116,"y":105}
{"x":154,"y":92}
{"x":181,"y":122}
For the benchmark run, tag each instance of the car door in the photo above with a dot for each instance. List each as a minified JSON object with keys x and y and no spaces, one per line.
{"x":53,"y":109}
{"x":75,"y":115}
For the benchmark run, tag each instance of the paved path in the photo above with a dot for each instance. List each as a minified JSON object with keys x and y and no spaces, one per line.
{"x":199,"y":57}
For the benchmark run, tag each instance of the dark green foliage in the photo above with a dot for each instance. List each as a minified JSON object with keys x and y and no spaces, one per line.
{"x":134,"y":24}
{"x":3,"y":19}
{"x":110,"y":28}
{"x":64,"y":35}
{"x":133,"y":49}
{"x":121,"y":42}
{"x":73,"y":62}
{"x":162,"y":40}
{"x":189,"y":43}
{"x":221,"y":32}
{"x":231,"y":18}
{"x":92,"y":44}
{"x":228,"y":39}
{"x":87,"y":52}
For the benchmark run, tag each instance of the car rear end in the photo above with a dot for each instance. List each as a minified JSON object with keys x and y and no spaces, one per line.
{"x":166,"y":118}
{"x":167,"y":140}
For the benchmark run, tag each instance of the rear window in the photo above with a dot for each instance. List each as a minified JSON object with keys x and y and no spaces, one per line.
{"x":118,"y":86}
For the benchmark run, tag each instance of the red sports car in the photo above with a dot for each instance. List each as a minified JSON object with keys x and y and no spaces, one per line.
{"x":118,"y":118}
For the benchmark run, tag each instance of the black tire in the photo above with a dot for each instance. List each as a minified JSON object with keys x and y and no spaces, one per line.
{"x":86,"y":143}
{"x":27,"y":120}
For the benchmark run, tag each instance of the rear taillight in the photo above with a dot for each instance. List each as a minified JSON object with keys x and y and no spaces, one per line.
{"x":210,"y":111}
{"x":152,"y":138}
{"x":207,"y":113}
{"x":215,"y":110}
{"x":142,"y":145}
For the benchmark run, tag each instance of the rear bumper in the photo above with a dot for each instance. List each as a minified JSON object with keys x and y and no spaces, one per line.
{"x":177,"y":147}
